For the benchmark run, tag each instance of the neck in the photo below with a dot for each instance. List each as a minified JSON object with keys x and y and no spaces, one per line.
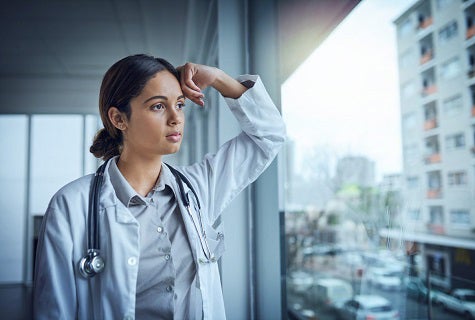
{"x":141,"y":172}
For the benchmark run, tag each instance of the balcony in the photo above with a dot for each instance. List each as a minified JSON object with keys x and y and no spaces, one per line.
{"x":470,"y":32}
{"x":430,"y":124}
{"x":435,"y":228}
{"x":434,"y":193}
{"x":426,"y":57}
{"x":433,"y":158}
{"x":473,"y":111}
{"x":425,"y":23}
{"x":429,"y":90}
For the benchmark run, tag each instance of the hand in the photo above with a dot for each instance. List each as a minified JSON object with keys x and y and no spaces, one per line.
{"x":195,"y":78}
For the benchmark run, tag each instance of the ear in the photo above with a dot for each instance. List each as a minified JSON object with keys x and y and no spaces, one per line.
{"x":117,"y":118}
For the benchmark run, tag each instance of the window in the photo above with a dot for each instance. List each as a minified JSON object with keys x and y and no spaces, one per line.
{"x":442,"y":4}
{"x":409,"y":121}
{"x":408,"y":89}
{"x":460,"y":217}
{"x":407,"y":58}
{"x":450,"y":69}
{"x":436,"y":215}
{"x":54,"y":160}
{"x":414,"y":214}
{"x":434,"y":180}
{"x":324,"y":240}
{"x":13,"y":183}
{"x":412,"y":182}
{"x":448,"y":32}
{"x":411,"y":154}
{"x":453,"y":106}
{"x":457,"y":178}
{"x":405,"y":28}
{"x":455,"y":141}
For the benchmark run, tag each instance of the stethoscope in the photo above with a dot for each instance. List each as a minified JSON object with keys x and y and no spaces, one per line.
{"x":93,"y":263}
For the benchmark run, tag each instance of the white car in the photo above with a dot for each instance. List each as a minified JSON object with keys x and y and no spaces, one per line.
{"x":329,"y":293}
{"x":299,"y":281}
{"x":368,"y":307}
{"x":460,"y":300}
{"x":385,"y":278}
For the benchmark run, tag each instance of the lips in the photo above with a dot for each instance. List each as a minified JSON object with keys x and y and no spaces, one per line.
{"x":174,"y":137}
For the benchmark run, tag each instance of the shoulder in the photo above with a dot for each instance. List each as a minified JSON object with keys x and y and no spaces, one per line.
{"x":74,"y":191}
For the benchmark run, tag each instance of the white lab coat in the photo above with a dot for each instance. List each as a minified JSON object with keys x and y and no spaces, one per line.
{"x":60,"y":291}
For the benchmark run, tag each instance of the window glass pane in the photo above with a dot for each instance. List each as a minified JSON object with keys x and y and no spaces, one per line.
{"x":380,"y":173}
{"x":93,"y":124}
{"x":56,"y":156}
{"x":13,"y":159}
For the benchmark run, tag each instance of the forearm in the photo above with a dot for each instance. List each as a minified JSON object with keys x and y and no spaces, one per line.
{"x":228,"y":86}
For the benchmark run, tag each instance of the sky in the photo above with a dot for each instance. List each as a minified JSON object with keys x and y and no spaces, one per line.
{"x":345,"y":96}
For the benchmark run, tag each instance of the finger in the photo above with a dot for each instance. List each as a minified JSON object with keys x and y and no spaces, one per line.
{"x":188,"y":74}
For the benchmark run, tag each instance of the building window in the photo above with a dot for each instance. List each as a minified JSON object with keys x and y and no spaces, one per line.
{"x":455,"y":141}
{"x":436,"y":215}
{"x":409,"y":121}
{"x":408,"y":89}
{"x":453,"y":106}
{"x":412,"y":182}
{"x":441,"y":4}
{"x":407,"y":58}
{"x":460,"y":217}
{"x":405,"y":28}
{"x":448,"y":32}
{"x":457,"y":178}
{"x":414,"y":214}
{"x":411,"y":154}
{"x":450,"y":69}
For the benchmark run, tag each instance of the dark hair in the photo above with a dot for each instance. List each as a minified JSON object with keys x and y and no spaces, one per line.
{"x":124,"y":80}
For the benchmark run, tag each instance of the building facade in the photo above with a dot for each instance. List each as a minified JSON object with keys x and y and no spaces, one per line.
{"x":436,"y":50}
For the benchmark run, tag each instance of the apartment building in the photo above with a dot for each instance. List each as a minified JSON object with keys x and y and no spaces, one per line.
{"x":436,"y":50}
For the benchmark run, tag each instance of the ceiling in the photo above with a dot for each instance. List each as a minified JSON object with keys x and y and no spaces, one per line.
{"x":54,"y":52}
{"x":81,"y":38}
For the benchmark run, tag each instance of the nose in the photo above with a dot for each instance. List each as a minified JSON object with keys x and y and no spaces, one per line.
{"x":174,"y":116}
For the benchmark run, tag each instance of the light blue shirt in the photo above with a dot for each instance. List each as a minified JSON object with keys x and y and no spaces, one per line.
{"x":166,"y":286}
{"x":60,"y":292}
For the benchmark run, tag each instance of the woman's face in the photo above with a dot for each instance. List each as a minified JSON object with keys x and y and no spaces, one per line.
{"x":157,"y":120}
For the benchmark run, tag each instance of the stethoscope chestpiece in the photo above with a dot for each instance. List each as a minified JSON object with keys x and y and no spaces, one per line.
{"x":91,"y":264}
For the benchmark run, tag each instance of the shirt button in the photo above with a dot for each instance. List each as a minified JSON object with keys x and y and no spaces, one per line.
{"x":169,"y":288}
{"x":160,"y":229}
{"x":167,"y":257}
{"x":132,"y":261}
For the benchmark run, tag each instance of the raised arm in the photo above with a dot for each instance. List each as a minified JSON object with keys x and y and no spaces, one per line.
{"x":196,"y":77}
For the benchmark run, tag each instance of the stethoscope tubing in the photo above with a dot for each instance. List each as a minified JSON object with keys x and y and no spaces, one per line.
{"x":92,"y":263}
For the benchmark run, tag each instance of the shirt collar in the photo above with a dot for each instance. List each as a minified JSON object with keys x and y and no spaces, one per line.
{"x":124,"y":191}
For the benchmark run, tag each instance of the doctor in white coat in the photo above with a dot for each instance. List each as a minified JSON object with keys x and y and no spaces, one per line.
{"x":157,"y":263}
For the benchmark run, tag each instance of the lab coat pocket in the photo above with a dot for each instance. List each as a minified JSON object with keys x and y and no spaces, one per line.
{"x":216,"y":242}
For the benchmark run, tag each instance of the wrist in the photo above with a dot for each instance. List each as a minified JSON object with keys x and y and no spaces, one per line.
{"x":228,"y":86}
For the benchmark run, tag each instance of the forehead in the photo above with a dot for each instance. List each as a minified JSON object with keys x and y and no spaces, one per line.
{"x":162,"y":83}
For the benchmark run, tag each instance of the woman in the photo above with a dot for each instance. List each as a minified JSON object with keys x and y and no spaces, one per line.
{"x":158,"y":265}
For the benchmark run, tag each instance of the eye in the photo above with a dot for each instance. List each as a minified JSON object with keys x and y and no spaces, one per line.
{"x":180,"y":105}
{"x":157,"y":107}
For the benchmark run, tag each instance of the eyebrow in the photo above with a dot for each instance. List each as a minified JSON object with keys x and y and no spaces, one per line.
{"x":162,"y":98}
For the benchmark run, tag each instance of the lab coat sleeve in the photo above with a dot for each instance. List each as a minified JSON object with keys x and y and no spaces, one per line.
{"x":54,"y":295}
{"x":239,"y":162}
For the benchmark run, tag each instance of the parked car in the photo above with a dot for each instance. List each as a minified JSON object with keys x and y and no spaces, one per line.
{"x":329,"y":293}
{"x":368,"y":307}
{"x":298,"y":282}
{"x":416,"y":289}
{"x":460,"y":300}
{"x":385,"y":278}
